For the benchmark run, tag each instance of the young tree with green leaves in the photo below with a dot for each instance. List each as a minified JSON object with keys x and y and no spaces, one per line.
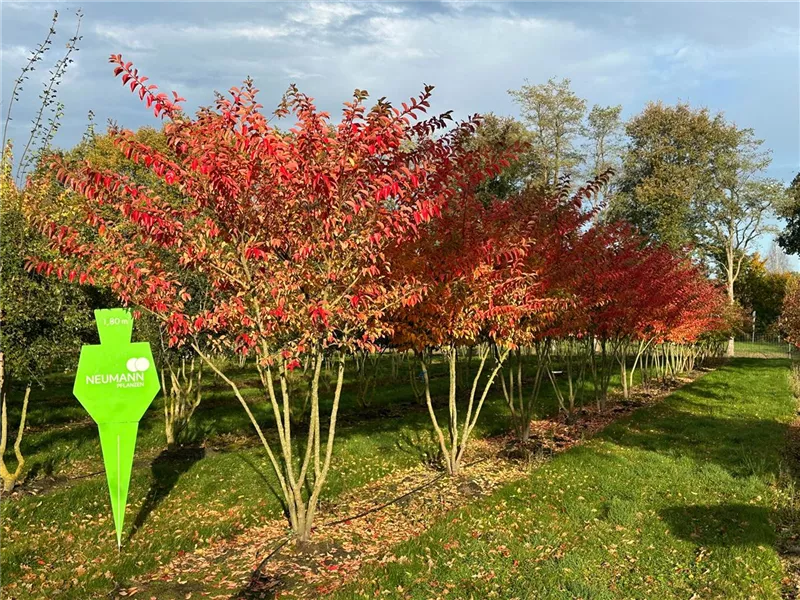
{"x":500,"y":134}
{"x":761,"y":291}
{"x":43,"y":321}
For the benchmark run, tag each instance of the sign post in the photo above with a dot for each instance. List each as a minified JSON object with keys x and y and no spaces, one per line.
{"x":116,"y":382}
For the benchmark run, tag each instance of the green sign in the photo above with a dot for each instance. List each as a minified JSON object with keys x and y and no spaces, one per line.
{"x":115,"y":383}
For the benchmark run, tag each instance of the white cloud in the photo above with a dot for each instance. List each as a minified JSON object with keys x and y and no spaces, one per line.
{"x":465,"y":6}
{"x":152,"y":37}
{"x":124,"y":37}
{"x":248,"y":32}
{"x":15,"y":55}
{"x":298,"y":74}
{"x":694,"y":57}
{"x":395,"y":39}
{"x":473,"y":53}
{"x":324,"y":14}
{"x":614,"y":60}
{"x":30,"y":7}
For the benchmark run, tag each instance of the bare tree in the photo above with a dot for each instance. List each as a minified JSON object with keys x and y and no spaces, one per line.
{"x":777,"y":260}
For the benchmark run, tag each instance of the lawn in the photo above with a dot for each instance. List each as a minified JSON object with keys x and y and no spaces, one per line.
{"x":677,"y":501}
{"x":62,"y":543}
{"x":763,"y":349}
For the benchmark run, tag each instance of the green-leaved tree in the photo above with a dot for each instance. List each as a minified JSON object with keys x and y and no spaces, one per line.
{"x":43,"y":320}
{"x":554,"y":114}
{"x":692,"y":179}
{"x":789,"y":239}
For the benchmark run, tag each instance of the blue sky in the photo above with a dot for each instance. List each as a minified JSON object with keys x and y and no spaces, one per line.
{"x":740,"y":58}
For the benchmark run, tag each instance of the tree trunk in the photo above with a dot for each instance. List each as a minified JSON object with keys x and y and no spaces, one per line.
{"x":10,"y":479}
{"x":300,"y":484}
{"x":416,"y":388}
{"x":604,"y":375}
{"x":641,"y":347}
{"x":181,"y":397}
{"x":459,"y":434}
{"x":731,"y":350}
{"x":522,"y":409}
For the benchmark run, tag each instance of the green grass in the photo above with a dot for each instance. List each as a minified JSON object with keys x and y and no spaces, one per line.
{"x":62,"y":440}
{"x":62,"y":544}
{"x":676,"y":501}
{"x":762,"y":349}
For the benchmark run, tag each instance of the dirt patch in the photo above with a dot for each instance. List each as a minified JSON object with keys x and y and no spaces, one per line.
{"x":559,"y":433}
{"x":350,"y":535}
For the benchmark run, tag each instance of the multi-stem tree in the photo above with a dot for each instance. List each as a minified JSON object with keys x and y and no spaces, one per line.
{"x":469,"y":263}
{"x":676,"y":304}
{"x":293,"y":231}
{"x":608,"y":284}
{"x":639,"y":293}
{"x":553,"y":225}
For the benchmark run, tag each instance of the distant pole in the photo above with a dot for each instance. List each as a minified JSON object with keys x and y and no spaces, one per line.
{"x":754,"y":327}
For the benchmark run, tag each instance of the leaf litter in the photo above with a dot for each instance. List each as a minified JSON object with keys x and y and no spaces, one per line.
{"x":364,"y":525}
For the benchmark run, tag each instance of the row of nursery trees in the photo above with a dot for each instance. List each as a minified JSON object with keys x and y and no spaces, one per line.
{"x":328,"y":244}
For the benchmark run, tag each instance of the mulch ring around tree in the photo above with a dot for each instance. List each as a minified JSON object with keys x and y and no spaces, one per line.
{"x":366,"y":524}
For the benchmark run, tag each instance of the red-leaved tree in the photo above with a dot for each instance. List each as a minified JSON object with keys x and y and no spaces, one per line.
{"x":293,"y":231}
{"x":638,"y":295}
{"x":790,"y":313}
{"x":474,"y":289}
{"x":553,"y":224}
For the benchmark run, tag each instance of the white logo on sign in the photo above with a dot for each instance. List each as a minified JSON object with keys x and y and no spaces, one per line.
{"x":136,"y":365}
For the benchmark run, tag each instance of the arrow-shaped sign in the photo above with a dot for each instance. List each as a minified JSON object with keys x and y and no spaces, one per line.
{"x":116,"y":382}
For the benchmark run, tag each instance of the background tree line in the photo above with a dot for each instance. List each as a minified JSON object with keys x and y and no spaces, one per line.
{"x":683,"y":176}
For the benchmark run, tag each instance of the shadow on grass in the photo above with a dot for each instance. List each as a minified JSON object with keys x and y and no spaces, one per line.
{"x":167,"y":469}
{"x":418,"y":444}
{"x":723,"y":525}
{"x":734,"y":444}
{"x":708,"y":432}
{"x":278,"y":496}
